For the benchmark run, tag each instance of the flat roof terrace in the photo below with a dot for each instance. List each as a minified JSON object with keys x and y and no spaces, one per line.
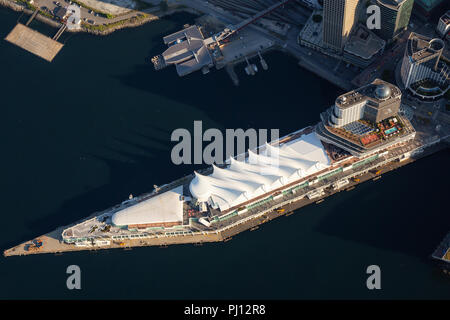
{"x":187,"y":51}
{"x":367,"y":93}
{"x":34,"y":42}
{"x":364,"y":43}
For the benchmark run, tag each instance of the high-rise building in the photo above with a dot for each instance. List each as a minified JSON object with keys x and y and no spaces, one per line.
{"x":429,"y":7}
{"x":339,"y":17}
{"x":443,"y":27}
{"x":365,"y":120}
{"x":422,"y":61}
{"x":395,"y":16}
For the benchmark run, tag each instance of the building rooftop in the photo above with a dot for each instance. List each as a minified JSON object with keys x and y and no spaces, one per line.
{"x":446,"y":18}
{"x":364,"y":43}
{"x":164,"y":208}
{"x":187,"y":50}
{"x":393,"y":4}
{"x":192,"y":32}
{"x":377,"y":91}
{"x":60,"y":12}
{"x":383,"y":92}
{"x":312,"y":32}
{"x":420,"y":47}
{"x":263,"y":172}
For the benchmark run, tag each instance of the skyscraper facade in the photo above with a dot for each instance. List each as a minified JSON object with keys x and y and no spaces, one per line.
{"x":395,"y":15}
{"x":339,"y":17}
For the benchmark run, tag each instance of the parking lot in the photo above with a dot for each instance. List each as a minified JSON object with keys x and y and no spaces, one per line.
{"x":87,"y":15}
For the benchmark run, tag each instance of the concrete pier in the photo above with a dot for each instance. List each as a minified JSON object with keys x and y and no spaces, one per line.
{"x":52,"y":242}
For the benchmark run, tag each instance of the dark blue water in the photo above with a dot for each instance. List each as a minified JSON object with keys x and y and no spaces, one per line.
{"x":82,"y":133}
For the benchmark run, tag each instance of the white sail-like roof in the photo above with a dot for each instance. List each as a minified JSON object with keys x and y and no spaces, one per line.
{"x":281,"y":165}
{"x":163,"y":208}
{"x":310,"y":147}
{"x":248,"y":183}
{"x":261,"y":173}
{"x":291,"y":155}
{"x":267,"y":172}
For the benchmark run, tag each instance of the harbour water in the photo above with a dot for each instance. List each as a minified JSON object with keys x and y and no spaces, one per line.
{"x":82,"y":133}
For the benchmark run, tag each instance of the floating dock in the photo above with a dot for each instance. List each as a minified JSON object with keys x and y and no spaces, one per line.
{"x":34,"y":42}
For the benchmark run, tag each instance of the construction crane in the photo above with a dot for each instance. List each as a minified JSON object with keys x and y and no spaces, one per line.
{"x":232,"y":29}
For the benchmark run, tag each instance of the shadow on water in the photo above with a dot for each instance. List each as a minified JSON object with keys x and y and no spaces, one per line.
{"x":403,"y":211}
{"x":246,"y":106}
{"x":249,"y":105}
{"x":137,"y":176}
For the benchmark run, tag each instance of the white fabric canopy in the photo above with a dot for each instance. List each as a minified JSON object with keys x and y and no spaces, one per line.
{"x":162,"y":208}
{"x":261,"y":173}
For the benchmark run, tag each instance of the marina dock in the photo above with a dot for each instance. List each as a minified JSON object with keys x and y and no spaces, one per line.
{"x":35,"y":42}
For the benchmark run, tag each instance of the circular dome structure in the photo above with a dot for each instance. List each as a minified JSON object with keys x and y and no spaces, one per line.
{"x":383,"y":92}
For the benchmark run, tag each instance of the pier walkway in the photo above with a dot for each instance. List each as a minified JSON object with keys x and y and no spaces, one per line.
{"x":32,"y":17}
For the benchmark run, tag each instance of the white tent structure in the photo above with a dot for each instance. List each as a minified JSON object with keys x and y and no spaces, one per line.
{"x":261,"y":173}
{"x":165,"y":208}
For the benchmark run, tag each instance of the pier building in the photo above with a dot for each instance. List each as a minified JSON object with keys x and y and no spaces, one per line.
{"x":423,"y":72}
{"x":366,"y":119}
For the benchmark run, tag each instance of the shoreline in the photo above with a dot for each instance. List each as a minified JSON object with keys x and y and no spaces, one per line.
{"x":132,"y":22}
{"x":142,"y":18}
